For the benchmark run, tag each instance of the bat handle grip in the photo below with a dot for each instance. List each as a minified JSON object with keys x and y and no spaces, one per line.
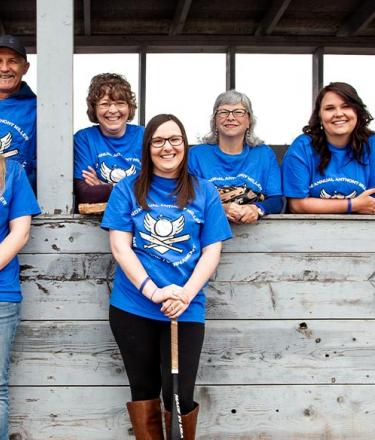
{"x":174,"y":346}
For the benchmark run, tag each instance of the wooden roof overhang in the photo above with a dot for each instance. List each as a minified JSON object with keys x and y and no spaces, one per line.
{"x":267,"y":26}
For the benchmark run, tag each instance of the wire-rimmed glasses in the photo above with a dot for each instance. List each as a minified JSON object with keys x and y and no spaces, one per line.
{"x":237,"y":113}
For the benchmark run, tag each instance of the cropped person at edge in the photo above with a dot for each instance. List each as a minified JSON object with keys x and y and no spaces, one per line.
{"x":330,"y":169}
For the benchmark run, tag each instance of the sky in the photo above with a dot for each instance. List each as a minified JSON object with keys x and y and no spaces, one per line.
{"x":279,"y":86}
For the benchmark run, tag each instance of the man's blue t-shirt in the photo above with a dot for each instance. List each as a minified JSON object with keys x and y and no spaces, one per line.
{"x":16,"y":200}
{"x":18,"y":129}
{"x":247,"y":177}
{"x":112,"y":158}
{"x":167,"y":240}
{"x":344,"y":177}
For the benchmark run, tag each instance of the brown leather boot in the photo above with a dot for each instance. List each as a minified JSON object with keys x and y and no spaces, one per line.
{"x":145,"y":416}
{"x":189,"y":423}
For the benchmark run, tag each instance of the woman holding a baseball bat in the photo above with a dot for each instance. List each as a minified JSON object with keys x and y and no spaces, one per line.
{"x":17,"y":205}
{"x":166,"y":232}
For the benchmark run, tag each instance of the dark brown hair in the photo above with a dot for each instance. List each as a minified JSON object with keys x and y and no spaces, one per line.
{"x":185,"y":182}
{"x":359,"y":136}
{"x":116,"y":87}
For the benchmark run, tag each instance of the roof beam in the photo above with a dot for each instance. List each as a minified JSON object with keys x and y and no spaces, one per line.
{"x":180,"y":15}
{"x":272,"y":17}
{"x":87,"y":16}
{"x":358,"y":20}
{"x":215,"y":43}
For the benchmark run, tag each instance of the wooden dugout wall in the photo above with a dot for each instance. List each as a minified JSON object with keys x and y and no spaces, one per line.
{"x":289,"y":352}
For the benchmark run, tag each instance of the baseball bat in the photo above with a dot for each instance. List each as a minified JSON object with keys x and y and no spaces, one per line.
{"x":176,"y":420}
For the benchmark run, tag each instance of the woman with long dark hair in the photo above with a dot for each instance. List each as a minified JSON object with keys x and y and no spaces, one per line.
{"x":17,"y":205}
{"x":330,"y":169}
{"x":166,"y":229}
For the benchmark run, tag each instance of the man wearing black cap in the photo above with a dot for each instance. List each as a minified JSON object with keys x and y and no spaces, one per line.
{"x":17,"y":107}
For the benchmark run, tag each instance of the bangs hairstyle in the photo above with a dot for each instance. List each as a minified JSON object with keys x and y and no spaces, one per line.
{"x":116,"y":87}
{"x":184,"y":190}
{"x":359,"y":136}
{"x":2,"y":174}
{"x":233,"y":97}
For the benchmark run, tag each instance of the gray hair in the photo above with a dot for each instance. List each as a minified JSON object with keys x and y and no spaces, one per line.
{"x":233,"y":97}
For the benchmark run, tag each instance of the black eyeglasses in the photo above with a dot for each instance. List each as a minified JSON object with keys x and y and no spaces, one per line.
{"x":159,"y":142}
{"x":237,"y":113}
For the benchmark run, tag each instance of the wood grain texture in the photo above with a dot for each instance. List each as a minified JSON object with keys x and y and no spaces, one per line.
{"x":288,"y":235}
{"x":234,"y":352}
{"x":262,"y":412}
{"x":289,"y":348}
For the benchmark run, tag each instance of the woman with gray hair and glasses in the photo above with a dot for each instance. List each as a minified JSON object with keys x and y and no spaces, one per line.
{"x":243,"y":169}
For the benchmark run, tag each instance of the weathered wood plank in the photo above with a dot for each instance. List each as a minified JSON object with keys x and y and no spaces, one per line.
{"x":291,"y":300}
{"x":65,"y":300}
{"x":67,"y":266}
{"x":234,"y":352}
{"x":233,"y":266}
{"x":304,"y":236}
{"x":269,"y":235}
{"x":89,"y":299}
{"x":308,"y":412}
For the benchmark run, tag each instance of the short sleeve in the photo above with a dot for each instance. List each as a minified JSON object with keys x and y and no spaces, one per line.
{"x":82,"y":154}
{"x":117,"y":215}
{"x":295,"y":173}
{"x":193,"y":162}
{"x":216,"y":226}
{"x":372,"y":162}
{"x":23,"y":201}
{"x":273,"y":186}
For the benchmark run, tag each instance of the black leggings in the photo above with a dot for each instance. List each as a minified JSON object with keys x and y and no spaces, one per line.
{"x":146,"y":351}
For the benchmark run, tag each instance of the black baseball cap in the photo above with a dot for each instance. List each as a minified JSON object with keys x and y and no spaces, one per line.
{"x":13,"y":43}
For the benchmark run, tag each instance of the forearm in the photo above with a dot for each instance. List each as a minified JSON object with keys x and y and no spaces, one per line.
{"x":91,"y":194}
{"x":271,"y":205}
{"x":203,"y":270}
{"x":312,"y":205}
{"x":132,"y":267}
{"x":11,"y":245}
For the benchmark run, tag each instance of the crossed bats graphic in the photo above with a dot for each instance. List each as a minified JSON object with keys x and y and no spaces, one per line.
{"x":166,"y":236}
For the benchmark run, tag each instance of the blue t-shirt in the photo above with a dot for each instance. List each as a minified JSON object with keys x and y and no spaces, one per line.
{"x":344,"y":177}
{"x":112,"y":158}
{"x":247,"y":177}
{"x":167,"y":240}
{"x":18,"y":129}
{"x":16,"y":200}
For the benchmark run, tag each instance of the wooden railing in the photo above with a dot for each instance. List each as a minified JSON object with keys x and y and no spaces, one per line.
{"x":289,"y":352}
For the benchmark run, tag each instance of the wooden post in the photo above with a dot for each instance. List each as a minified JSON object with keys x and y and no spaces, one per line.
{"x":55,"y":105}
{"x":230,"y":69}
{"x":142,"y":86}
{"x":317,"y":71}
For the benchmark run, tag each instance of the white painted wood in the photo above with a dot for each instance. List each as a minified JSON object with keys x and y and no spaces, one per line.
{"x":249,"y":267}
{"x":295,"y":267}
{"x":349,"y":236}
{"x":55,"y":105}
{"x":291,"y":300}
{"x":234,"y":352}
{"x":289,"y":351}
{"x":88,"y":299}
{"x":69,"y":267}
{"x":263,"y":412}
{"x":65,"y":300}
